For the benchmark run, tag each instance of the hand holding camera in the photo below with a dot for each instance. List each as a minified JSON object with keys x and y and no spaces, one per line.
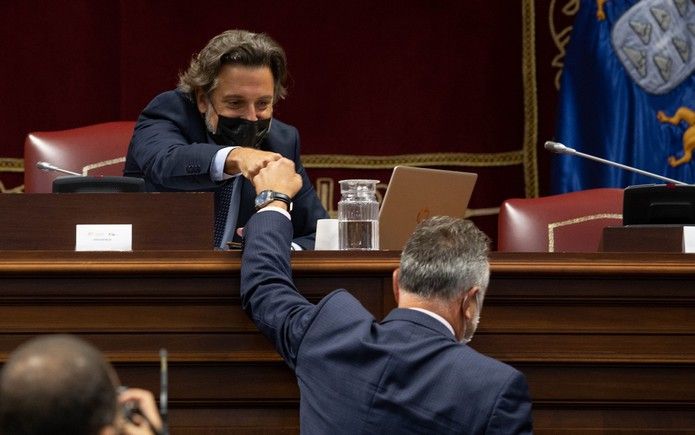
{"x":140,"y":412}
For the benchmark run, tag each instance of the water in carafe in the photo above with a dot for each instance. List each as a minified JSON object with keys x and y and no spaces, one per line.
{"x":358,"y":215}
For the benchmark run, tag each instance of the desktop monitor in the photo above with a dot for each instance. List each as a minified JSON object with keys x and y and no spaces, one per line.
{"x":659,"y":204}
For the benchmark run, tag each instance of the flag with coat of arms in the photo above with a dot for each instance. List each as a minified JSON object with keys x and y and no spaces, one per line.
{"x":627,"y":94}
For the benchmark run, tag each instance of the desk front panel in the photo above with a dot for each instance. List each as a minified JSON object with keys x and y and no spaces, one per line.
{"x":606,"y":341}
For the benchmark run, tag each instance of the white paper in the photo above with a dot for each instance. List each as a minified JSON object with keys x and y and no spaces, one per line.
{"x":689,"y":240}
{"x":326,"y":235}
{"x":104,"y":237}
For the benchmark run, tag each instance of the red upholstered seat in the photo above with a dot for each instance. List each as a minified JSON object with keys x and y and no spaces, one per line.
{"x":98,"y":149}
{"x":570,"y":222}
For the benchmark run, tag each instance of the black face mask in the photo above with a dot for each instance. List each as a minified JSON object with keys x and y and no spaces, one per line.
{"x":241,"y":132}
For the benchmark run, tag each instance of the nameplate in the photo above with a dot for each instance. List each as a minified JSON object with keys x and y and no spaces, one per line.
{"x":104,"y":237}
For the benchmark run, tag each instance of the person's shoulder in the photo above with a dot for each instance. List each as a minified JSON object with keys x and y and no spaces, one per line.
{"x":283,"y":138}
{"x":282,"y":125}
{"x":494,"y":371}
{"x":282,"y":129}
{"x":338,"y":298}
{"x":176,"y":107}
{"x":171,"y":98}
{"x":340,"y":303}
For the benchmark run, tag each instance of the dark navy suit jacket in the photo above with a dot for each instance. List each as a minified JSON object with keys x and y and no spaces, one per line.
{"x":404,"y":375}
{"x":172,"y":151}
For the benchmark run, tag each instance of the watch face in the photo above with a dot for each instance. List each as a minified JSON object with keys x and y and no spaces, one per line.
{"x":263,"y":198}
{"x":267,"y":196}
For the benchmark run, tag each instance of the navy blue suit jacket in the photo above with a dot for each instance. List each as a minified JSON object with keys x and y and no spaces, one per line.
{"x":404,"y":375}
{"x":172,"y":151}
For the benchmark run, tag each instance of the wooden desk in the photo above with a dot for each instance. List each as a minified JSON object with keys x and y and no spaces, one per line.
{"x":607,"y":341}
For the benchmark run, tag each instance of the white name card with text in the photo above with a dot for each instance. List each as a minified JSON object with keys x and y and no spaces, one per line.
{"x":104,"y":237}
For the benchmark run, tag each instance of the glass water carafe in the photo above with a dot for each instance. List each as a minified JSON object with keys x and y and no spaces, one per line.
{"x":358,"y":215}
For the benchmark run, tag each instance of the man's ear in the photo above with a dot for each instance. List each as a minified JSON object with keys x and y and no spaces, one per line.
{"x":201,"y":100}
{"x":394,"y":282}
{"x":469,"y":303}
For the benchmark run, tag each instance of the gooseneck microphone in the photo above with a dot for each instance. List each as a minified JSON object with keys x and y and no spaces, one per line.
{"x":557,"y":147}
{"x":45,"y":166}
{"x":164,"y":391}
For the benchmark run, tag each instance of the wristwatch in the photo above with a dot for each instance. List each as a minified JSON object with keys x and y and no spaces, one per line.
{"x":267,"y":196}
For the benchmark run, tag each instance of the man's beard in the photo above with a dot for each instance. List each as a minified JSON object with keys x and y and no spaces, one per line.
{"x":208,"y":124}
{"x":471,"y":326}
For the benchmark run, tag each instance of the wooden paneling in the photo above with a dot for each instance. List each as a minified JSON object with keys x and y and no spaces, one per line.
{"x":47,"y":221}
{"x":607,"y":341}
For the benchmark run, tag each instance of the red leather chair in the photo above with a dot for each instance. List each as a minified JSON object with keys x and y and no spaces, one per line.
{"x":570,"y":222}
{"x":98,"y":149}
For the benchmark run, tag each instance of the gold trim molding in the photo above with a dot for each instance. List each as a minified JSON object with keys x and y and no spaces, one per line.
{"x":560,"y":37}
{"x":8,"y":164}
{"x":97,"y":165}
{"x":346,"y":161}
{"x":553,"y":225}
{"x":528,"y":67}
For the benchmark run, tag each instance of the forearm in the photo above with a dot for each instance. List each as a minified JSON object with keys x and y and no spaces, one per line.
{"x":170,"y":146}
{"x":268,"y":294}
{"x":166,"y":160}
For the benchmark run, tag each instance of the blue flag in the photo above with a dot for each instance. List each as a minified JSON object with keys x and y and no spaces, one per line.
{"x":628,"y":94}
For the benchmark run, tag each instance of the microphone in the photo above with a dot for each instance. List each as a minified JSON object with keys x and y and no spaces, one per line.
{"x":557,"y":147}
{"x":45,"y":166}
{"x":164,"y":391}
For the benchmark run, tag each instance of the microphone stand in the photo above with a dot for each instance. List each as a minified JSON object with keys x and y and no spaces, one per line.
{"x":558,"y":148}
{"x":45,"y":166}
{"x":164,"y":391}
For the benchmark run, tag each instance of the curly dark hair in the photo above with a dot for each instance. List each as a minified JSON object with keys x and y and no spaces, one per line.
{"x":235,"y":47}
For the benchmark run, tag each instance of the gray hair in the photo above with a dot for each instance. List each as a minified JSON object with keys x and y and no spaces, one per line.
{"x":444,"y":257}
{"x":235,"y":47}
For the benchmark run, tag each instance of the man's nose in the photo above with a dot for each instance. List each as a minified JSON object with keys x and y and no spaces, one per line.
{"x":250,"y":112}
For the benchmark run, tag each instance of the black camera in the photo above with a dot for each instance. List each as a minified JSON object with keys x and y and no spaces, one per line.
{"x":129,"y":410}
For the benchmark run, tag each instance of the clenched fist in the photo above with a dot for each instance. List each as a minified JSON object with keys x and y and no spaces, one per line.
{"x":248,"y":161}
{"x":279,"y":176}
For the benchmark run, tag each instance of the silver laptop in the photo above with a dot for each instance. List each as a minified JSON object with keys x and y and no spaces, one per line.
{"x":414,"y":194}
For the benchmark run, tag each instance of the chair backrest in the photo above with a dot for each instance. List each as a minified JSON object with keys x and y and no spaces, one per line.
{"x":98,"y":149}
{"x":570,"y":222}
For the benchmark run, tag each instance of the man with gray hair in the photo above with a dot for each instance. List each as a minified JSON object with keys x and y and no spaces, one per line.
{"x":411,"y":373}
{"x":216,"y":131}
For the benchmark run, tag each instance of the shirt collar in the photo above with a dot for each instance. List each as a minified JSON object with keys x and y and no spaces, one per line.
{"x":436,"y":316}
